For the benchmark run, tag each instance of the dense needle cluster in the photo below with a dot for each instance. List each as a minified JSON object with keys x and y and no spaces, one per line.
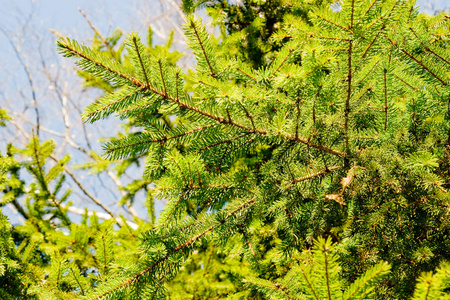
{"x":320,"y":174}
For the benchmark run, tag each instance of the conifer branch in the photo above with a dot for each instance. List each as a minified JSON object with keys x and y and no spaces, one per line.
{"x":327,"y":276}
{"x":352,"y":13}
{"x":163,"y":139}
{"x":427,"y":48}
{"x":335,"y":24}
{"x":418,"y":62}
{"x":58,"y":273}
{"x":78,"y":282}
{"x":347,"y":101}
{"x":282,"y":62}
{"x":223,"y":142}
{"x":175,"y":206}
{"x":385,"y":100}
{"x":198,"y":187}
{"x":211,"y":70}
{"x":436,"y":54}
{"x":370,"y":71}
{"x":92,"y":114}
{"x":78,"y":53}
{"x":182,"y":104}
{"x":383,"y":15}
{"x":309,"y":283}
{"x":367,"y":11}
{"x":258,"y":131}
{"x":162,"y":76}
{"x":175,"y":250}
{"x":289,"y":215}
{"x":317,"y":174}
{"x":406,"y":83}
{"x":365,"y":282}
{"x":248,"y":116}
{"x":104,"y":253}
{"x":315,"y":68}
{"x":248,"y":75}
{"x":140,"y":60}
{"x":249,"y":244}
{"x":208,"y":84}
{"x":423,"y":66}
{"x":371,"y":43}
{"x":235,"y":149}
{"x":160,"y":281}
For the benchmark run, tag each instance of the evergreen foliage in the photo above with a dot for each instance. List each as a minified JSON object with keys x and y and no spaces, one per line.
{"x":51,"y":257}
{"x":352,"y":111}
{"x":306,"y":157}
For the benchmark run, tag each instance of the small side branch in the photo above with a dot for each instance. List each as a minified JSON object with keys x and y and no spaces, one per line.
{"x":248,"y":75}
{"x":211,"y":70}
{"x":162,"y":77}
{"x":420,"y":63}
{"x":385,"y":100}
{"x":428,"y":48}
{"x":248,"y":116}
{"x":163,"y":139}
{"x":140,"y":61}
{"x":327,"y":276}
{"x":383,"y":16}
{"x":332,"y":23}
{"x":317,"y":174}
{"x":309,"y":283}
{"x":347,"y":101}
{"x":282,"y":63}
{"x":367,"y":11}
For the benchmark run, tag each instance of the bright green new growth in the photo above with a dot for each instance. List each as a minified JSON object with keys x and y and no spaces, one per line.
{"x":317,"y":278}
{"x":353,"y":115}
{"x":433,"y":286}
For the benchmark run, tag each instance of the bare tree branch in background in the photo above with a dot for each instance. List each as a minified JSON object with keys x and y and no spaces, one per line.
{"x":24,"y":64}
{"x":58,"y":101}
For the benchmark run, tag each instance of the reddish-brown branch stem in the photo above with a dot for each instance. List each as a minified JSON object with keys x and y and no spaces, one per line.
{"x":317,"y":174}
{"x":110,"y":104}
{"x":282,"y":63}
{"x":180,"y":247}
{"x":385,"y":100}
{"x":220,"y":119}
{"x":162,"y":77}
{"x":140,"y":61}
{"x":331,"y":22}
{"x":162,"y":140}
{"x":367,"y":11}
{"x":213,"y":74}
{"x":248,"y":75}
{"x":347,"y":101}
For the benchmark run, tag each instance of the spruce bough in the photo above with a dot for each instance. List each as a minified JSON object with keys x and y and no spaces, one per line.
{"x":346,"y":134}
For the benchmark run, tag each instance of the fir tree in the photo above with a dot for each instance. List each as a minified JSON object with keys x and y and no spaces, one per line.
{"x":306,"y":172}
{"x":353,"y":110}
